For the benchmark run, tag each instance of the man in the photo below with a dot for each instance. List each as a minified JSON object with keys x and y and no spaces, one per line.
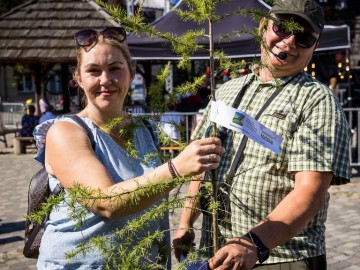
{"x":278,"y":188}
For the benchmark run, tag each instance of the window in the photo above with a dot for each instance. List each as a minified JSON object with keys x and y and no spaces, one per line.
{"x":26,"y":84}
{"x":24,"y":81}
{"x":54,"y":85}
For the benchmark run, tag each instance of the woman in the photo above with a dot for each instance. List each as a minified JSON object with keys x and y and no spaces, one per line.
{"x":104,"y":74}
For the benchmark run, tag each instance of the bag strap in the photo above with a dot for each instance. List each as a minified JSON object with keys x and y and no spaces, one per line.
{"x":241,"y":93}
{"x":88,"y":131}
{"x":239,"y":152}
{"x":59,"y":188}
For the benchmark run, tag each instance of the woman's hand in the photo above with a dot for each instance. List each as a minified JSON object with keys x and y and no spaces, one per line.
{"x":199,"y":156}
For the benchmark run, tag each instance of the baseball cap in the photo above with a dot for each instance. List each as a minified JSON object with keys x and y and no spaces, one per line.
{"x":309,"y":10}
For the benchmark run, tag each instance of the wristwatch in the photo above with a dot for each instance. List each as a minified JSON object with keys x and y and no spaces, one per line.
{"x":262,"y":250}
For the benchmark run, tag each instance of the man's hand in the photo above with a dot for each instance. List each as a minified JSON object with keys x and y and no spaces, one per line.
{"x":238,"y":253}
{"x":183,"y":241}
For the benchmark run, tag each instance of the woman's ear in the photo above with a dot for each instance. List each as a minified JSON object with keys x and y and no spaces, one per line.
{"x":78,"y":80}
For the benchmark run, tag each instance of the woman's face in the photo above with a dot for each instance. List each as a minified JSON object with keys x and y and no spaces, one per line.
{"x":105,"y":77}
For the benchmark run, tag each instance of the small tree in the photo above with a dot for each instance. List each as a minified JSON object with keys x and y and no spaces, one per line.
{"x":199,"y":11}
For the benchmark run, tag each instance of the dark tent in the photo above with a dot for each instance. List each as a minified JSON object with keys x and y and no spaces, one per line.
{"x":239,"y":46}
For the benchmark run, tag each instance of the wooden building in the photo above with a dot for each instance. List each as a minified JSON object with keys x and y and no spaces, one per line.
{"x":37,"y":48}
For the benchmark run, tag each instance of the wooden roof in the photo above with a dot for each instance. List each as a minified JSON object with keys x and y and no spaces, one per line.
{"x":43,"y":30}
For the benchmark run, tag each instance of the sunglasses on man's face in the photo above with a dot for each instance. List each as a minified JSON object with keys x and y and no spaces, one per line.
{"x":89,"y":37}
{"x":302,"y":39}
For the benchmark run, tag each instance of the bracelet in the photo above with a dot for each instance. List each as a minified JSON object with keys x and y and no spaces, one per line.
{"x":175,"y":170}
{"x":172,"y":170}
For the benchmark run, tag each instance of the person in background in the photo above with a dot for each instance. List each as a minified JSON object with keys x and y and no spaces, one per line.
{"x":43,"y":103}
{"x":225,"y":75}
{"x":277,"y":201}
{"x":171,"y":123}
{"x":28,"y":122}
{"x":47,"y":115}
{"x":104,"y":74}
{"x":333,"y":84}
{"x":204,"y":93}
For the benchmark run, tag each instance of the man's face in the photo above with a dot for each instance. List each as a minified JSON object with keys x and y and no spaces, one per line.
{"x":277,"y":42}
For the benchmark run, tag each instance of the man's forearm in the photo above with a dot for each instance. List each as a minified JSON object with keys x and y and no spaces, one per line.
{"x":294,"y":212}
{"x":191,"y":206}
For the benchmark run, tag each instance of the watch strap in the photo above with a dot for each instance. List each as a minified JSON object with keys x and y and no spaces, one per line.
{"x":263,"y":251}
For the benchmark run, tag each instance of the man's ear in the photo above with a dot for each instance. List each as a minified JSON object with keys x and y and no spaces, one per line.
{"x":263,"y":25}
{"x":317,"y":42}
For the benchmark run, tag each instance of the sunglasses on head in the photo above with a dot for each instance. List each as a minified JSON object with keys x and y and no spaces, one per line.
{"x":302,"y":39}
{"x":89,"y":37}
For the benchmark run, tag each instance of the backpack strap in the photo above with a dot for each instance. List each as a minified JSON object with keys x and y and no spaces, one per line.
{"x":81,"y":122}
{"x":59,"y":188}
{"x":239,"y":151}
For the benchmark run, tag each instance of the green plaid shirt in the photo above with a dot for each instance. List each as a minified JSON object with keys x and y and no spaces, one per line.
{"x":316,"y":138}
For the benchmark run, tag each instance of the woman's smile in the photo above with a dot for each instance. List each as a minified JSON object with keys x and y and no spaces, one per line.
{"x":106,"y":92}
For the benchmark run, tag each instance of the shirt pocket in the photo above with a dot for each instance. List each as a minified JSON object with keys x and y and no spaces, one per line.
{"x":280,"y":121}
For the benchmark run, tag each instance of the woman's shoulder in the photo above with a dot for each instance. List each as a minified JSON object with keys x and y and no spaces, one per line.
{"x":64,"y":128}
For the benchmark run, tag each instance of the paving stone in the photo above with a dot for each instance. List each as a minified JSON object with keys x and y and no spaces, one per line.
{"x":342,"y":226}
{"x":352,"y":267}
